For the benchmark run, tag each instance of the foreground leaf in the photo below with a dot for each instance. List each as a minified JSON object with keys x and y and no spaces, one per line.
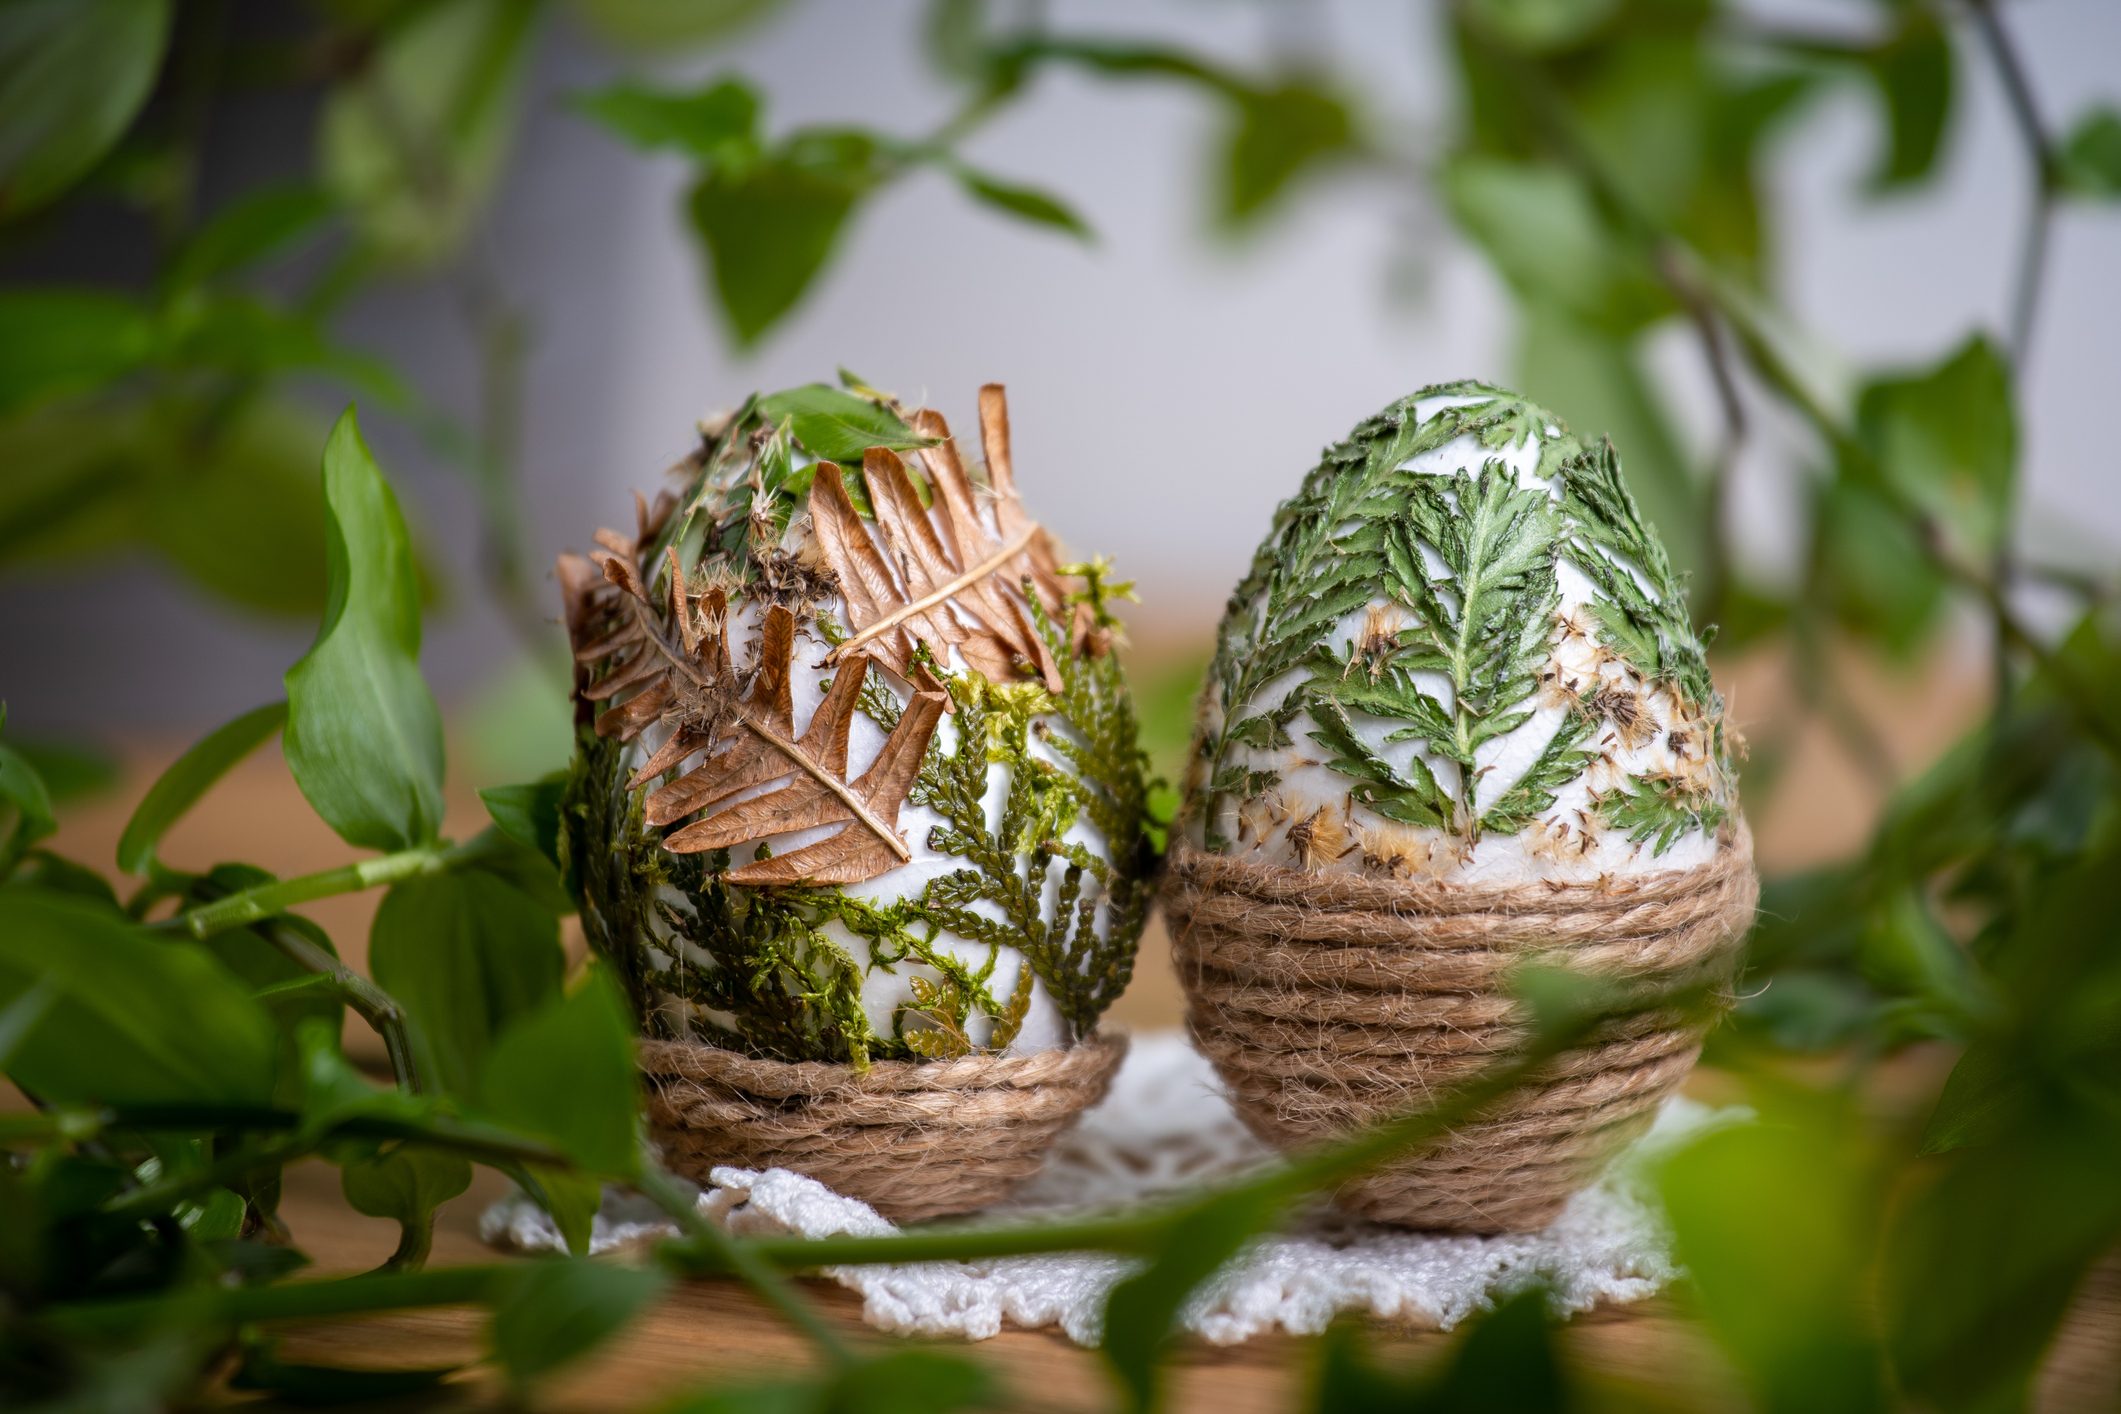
{"x":363,"y":737}
{"x":134,"y":1019}
{"x":566,"y":1073}
{"x":179,"y":788}
{"x":556,"y":1310}
{"x":73,"y":75}
{"x":55,"y":341}
{"x":406,"y":1183}
{"x":2089,"y":163}
{"x":466,"y":954}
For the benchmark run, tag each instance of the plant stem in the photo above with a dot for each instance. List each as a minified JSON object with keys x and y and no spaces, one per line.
{"x":255,"y":905}
{"x":2032,"y":131}
{"x":739,"y":1259}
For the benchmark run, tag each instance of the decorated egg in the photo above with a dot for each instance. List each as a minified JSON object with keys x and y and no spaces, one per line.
{"x":857,"y":773}
{"x":1461,"y":655}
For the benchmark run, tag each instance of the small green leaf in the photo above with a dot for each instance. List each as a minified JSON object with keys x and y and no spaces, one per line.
{"x":56,"y":341}
{"x":179,"y":788}
{"x":661,"y":25}
{"x":363,"y":736}
{"x":23,"y":789}
{"x":1947,"y":437}
{"x":556,"y":1310}
{"x":414,"y":143}
{"x":1546,"y":237}
{"x":718,"y":123}
{"x":466,"y":954}
{"x":1024,"y":203}
{"x":1142,"y":1310}
{"x":1914,"y":78}
{"x":566,"y":1073}
{"x":529,"y":814}
{"x":260,"y":223}
{"x":217,"y":1217}
{"x":907,"y":1381}
{"x":136,"y":1019}
{"x":1541,"y":26}
{"x":1278,"y":136}
{"x":2089,"y":162}
{"x":73,"y":75}
{"x":837,"y":426}
{"x":406,"y":1183}
{"x":769,"y":227}
{"x":1507,"y":1360}
{"x":320,"y":1386}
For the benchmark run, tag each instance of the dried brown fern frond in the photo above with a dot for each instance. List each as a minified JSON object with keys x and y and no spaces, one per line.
{"x":691,"y":687}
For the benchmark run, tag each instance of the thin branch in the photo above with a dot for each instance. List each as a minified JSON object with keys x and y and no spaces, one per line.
{"x":2039,"y":150}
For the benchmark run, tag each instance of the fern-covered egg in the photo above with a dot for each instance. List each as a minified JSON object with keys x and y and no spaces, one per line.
{"x":857,"y":773}
{"x":1461,"y":654}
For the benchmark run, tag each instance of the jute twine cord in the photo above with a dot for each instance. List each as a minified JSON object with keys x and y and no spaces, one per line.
{"x":913,"y":1139}
{"x":1330,"y":1001}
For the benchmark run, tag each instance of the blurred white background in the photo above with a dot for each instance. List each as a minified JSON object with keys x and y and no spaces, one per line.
{"x":1167,"y":388}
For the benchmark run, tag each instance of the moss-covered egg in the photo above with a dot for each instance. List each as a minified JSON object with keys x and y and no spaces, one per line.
{"x":857,"y":773}
{"x":1460,"y":654}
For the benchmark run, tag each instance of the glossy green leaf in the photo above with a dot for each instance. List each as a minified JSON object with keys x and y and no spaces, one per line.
{"x":256,"y":955}
{"x":413,"y":144}
{"x":566,"y":1073}
{"x":73,"y":75}
{"x":467,"y":954}
{"x":363,"y":736}
{"x":2089,"y":160}
{"x":1278,"y":136}
{"x":717,"y":123}
{"x":1024,"y":203}
{"x":136,"y":1018}
{"x":838,"y":426}
{"x":1947,"y":437}
{"x":256,"y":226}
{"x":557,"y":1310}
{"x":769,"y":227}
{"x":1539,"y":227}
{"x":406,"y":1183}
{"x":188,"y":778}
{"x":55,"y":341}
{"x":29,"y":814}
{"x":529,"y":814}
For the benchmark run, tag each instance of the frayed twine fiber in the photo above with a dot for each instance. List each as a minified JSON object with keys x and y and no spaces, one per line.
{"x":913,"y":1139}
{"x":1328,"y":1001}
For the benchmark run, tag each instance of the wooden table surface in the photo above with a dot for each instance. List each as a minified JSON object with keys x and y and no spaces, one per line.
{"x":712,"y":1332}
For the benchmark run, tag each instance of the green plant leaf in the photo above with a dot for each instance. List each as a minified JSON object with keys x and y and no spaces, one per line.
{"x":529,"y":814}
{"x":363,"y":736}
{"x":666,"y":24}
{"x":55,"y":341}
{"x":1947,"y":437}
{"x":254,"y":954}
{"x":566,"y":1073}
{"x":320,"y":1386}
{"x":406,"y":1183}
{"x":73,"y":75}
{"x":1040,"y":208}
{"x":1542,"y":26}
{"x":413,"y":144}
{"x":556,"y":1310}
{"x":1278,"y":136}
{"x":135,"y":1019}
{"x":1913,"y":72}
{"x":907,"y":1381}
{"x":188,"y":778}
{"x":261,"y":223}
{"x":718,"y":123}
{"x":1506,"y":1360}
{"x":838,"y":426}
{"x":769,"y":227}
{"x":22,"y":788}
{"x":466,"y":954}
{"x":1540,"y":228}
{"x":2089,"y":161}
{"x":1142,"y":1311}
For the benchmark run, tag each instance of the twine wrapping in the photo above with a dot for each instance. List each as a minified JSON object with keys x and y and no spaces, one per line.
{"x":1328,"y":1002}
{"x":913,"y":1139}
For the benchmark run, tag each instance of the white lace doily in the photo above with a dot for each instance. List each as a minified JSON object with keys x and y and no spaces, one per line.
{"x":1165,"y":1129}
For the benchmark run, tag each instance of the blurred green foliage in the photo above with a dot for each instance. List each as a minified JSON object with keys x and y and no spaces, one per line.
{"x":1606,"y":157}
